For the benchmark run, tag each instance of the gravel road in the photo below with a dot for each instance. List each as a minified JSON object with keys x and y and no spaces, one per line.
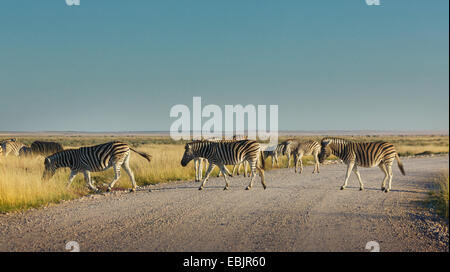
{"x":304,"y":212}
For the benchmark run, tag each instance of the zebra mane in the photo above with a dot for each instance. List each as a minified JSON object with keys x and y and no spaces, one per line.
{"x":335,"y":140}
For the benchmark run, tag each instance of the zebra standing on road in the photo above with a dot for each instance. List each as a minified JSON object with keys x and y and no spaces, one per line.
{"x":381,"y":154}
{"x":225,"y":153}
{"x":45,"y":148}
{"x":305,"y":149}
{"x":199,"y":162}
{"x":93,"y":159}
{"x":11,"y":146}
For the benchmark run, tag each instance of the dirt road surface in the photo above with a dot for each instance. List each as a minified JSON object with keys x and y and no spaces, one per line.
{"x":304,"y":212}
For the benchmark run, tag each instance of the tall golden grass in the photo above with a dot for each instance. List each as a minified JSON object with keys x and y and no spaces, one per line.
{"x":21,"y":186}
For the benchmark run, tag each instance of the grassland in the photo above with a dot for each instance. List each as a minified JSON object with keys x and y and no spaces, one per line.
{"x":21,"y":186}
{"x":439,"y":195}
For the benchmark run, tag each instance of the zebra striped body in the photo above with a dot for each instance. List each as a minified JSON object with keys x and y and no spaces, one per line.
{"x":225,"y":153}
{"x":281,"y":149}
{"x":355,"y":154}
{"x":25,"y":151}
{"x":93,"y":159}
{"x":305,"y":149}
{"x":11,"y":146}
{"x":45,"y":148}
{"x":199,"y":162}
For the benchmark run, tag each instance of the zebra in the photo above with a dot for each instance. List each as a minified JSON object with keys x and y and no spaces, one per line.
{"x":198,"y":168}
{"x":25,"y":151}
{"x":198,"y":162}
{"x":93,"y":159}
{"x":282,"y":149}
{"x":305,"y":149}
{"x":11,"y":146}
{"x":45,"y":148}
{"x":369,"y":154}
{"x":226,"y":153}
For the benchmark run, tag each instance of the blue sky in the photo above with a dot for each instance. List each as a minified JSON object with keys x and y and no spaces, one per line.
{"x":121,"y":65}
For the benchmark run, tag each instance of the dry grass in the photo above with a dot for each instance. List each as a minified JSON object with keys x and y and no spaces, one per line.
{"x":21,"y":186}
{"x":439,"y":196}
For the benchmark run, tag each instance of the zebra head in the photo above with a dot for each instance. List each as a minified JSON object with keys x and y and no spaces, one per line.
{"x":188,"y":154}
{"x":325,"y":151}
{"x":50,"y":168}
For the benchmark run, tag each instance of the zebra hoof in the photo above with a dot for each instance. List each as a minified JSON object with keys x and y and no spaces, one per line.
{"x":386,"y":191}
{"x":382,"y":189}
{"x":108,"y":190}
{"x":200,"y":188}
{"x":361,"y":189}
{"x":265,"y":187}
{"x":247,"y":188}
{"x":132,"y":190}
{"x":225,"y":189}
{"x":342,"y":187}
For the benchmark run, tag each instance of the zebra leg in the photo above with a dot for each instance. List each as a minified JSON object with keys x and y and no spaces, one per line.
{"x":361,"y":185}
{"x":386,"y":175}
{"x":196,"y":168}
{"x":261,"y":174}
{"x":234,"y":169}
{"x":71,"y":177}
{"x":116,"y":177}
{"x":301,"y":163}
{"x":316,"y":161}
{"x":222,"y":168}
{"x":208,"y":172}
{"x":87,"y":177}
{"x":295,"y":162}
{"x":253,"y":168}
{"x":349,"y":171}
{"x":126,"y":167}
{"x":389,"y":168}
{"x":245,"y":168}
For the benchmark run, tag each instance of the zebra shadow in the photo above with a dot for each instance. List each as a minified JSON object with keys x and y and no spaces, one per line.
{"x":392,"y":190}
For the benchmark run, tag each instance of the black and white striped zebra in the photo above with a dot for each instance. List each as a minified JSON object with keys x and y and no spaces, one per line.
{"x":381,"y":154}
{"x":11,"y":146}
{"x":282,"y":149}
{"x":305,"y":149}
{"x":25,"y":151}
{"x":45,"y":148}
{"x":200,"y":163}
{"x":225,"y":153}
{"x":93,"y":159}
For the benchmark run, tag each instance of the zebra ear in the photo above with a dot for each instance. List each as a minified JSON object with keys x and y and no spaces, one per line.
{"x":325,"y":142}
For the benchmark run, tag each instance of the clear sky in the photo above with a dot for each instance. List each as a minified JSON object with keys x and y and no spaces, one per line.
{"x":121,"y":65}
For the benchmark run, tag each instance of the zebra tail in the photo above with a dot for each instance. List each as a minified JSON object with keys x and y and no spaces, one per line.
{"x":400,"y":164}
{"x":148,"y":157}
{"x":263,"y":162}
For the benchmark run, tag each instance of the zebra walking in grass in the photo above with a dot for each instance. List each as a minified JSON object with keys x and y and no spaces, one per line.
{"x":45,"y":148}
{"x":11,"y":146}
{"x":282,"y":149}
{"x":93,"y":159}
{"x":381,"y":154}
{"x":305,"y":149}
{"x":225,"y":153}
{"x":25,"y":151}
